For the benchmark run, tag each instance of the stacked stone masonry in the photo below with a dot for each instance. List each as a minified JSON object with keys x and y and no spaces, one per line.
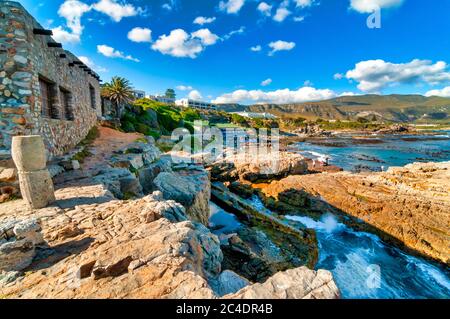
{"x":33,"y":75}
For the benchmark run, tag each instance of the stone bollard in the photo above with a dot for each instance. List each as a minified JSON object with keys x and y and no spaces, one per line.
{"x":36,"y":185}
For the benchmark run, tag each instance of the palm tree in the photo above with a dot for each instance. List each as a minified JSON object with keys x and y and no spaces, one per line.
{"x":119,"y":91}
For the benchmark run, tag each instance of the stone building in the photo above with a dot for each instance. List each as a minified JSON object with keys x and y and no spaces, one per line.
{"x":44,"y":90}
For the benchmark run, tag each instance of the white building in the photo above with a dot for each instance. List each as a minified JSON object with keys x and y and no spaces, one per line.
{"x":196,"y":104}
{"x":255,"y":115}
{"x":162,"y":99}
{"x":139,"y":94}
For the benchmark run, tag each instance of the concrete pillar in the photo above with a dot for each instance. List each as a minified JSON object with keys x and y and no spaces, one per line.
{"x":36,"y":185}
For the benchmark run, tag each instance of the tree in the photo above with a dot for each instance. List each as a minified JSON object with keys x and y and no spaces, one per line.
{"x":170,"y":93}
{"x":119,"y":91}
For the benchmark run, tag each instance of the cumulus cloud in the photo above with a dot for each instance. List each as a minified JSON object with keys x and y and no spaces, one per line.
{"x":338,"y":76}
{"x":304,"y":94}
{"x":64,"y":36}
{"x":204,"y":20}
{"x":368,"y":6}
{"x":140,"y":35}
{"x":445,"y":92}
{"x":115,"y":10}
{"x":299,"y":19}
{"x":265,"y":9}
{"x":281,"y":14}
{"x":266,"y":82}
{"x":91,"y":64}
{"x":256,"y":48}
{"x":195,"y":95}
{"x":304,"y":3}
{"x":375,"y":75}
{"x":184,"y":88}
{"x":280,"y":46}
{"x":231,"y":6}
{"x":72,"y":11}
{"x":180,"y":44}
{"x":110,"y":52}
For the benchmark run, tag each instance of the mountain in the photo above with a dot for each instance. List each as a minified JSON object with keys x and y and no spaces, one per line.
{"x":396,"y":107}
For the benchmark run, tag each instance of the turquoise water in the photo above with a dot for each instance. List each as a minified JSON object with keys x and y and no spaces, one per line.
{"x":379,"y":152}
{"x":364,"y":267}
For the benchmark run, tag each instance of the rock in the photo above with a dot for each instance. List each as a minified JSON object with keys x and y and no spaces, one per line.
{"x":55,"y":170}
{"x":262,"y":167}
{"x":37,"y":188}
{"x":298,"y":283}
{"x":70,"y":165}
{"x":28,"y":153}
{"x":16,"y":255}
{"x":192,"y":190}
{"x":8,"y":175}
{"x":128,"y":161}
{"x":148,"y":174}
{"x":407,"y":207}
{"x":29,"y":230}
{"x":229,"y":282}
{"x":130,"y":187}
{"x":294,"y":197}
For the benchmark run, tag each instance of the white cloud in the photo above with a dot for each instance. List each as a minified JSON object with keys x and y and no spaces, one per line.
{"x":308,"y":83}
{"x":167,"y":7}
{"x":348,"y":94}
{"x":91,"y":64}
{"x":113,"y":53}
{"x":195,"y":95}
{"x":338,"y":76}
{"x":115,"y":10}
{"x":256,"y":48}
{"x":282,"y":14}
{"x":299,"y":19}
{"x":204,"y":20}
{"x":265,"y":9}
{"x":184,"y":88}
{"x":304,"y":3}
{"x":266,"y":82}
{"x":231,"y":6}
{"x":181,"y":44}
{"x":205,"y":36}
{"x":281,"y":46}
{"x":375,"y":75}
{"x":241,"y":30}
{"x":445,"y":92}
{"x":140,"y":35}
{"x":368,"y":6}
{"x":72,"y":11}
{"x":63,"y":36}
{"x":304,"y":94}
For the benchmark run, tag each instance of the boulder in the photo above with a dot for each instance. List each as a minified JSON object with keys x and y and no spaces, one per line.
{"x":37,"y":188}
{"x":190,"y":188}
{"x":298,"y":283}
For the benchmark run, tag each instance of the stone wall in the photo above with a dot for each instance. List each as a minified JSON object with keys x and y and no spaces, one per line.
{"x":25,"y":58}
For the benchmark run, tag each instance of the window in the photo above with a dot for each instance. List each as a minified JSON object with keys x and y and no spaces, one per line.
{"x":66,"y":105}
{"x":48,"y":96}
{"x":92,"y":95}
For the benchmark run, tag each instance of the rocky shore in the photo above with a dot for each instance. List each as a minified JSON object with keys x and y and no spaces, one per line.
{"x":105,"y":238}
{"x":406,"y":206}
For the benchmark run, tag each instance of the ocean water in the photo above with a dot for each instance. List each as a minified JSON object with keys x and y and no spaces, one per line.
{"x":378,"y":152}
{"x":364,"y":267}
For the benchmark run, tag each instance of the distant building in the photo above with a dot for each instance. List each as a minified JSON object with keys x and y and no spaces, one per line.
{"x":138,"y":94}
{"x":162,"y":99}
{"x":255,"y":115}
{"x":196,"y":104}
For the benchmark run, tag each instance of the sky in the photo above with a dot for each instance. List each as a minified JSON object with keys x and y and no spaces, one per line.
{"x":251,"y":51}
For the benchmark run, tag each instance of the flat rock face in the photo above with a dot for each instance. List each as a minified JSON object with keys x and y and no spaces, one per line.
{"x":252,"y":167}
{"x":299,"y":283}
{"x":407,"y":205}
{"x":117,"y":249}
{"x":191,"y":188}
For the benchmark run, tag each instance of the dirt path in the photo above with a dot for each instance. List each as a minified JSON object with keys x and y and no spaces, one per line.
{"x":108,"y":142}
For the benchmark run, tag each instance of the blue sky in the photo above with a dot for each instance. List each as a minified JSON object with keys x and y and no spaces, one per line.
{"x":303,"y":50}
